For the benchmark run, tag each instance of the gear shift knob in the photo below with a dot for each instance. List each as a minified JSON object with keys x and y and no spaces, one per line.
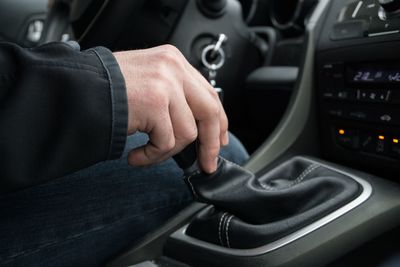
{"x":187,"y":159}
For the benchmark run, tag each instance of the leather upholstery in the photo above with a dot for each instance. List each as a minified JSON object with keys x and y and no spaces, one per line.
{"x":248,"y":212}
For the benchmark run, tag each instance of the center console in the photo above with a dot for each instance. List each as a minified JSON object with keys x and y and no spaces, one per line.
{"x":295,"y":210}
{"x":358,"y":83}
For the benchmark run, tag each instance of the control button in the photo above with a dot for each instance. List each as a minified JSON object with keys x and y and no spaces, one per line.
{"x":374,"y":143}
{"x":328,"y":94}
{"x":340,"y":94}
{"x":384,"y":96}
{"x":362,"y":95}
{"x":386,"y":117}
{"x":359,"y":115}
{"x":381,"y":145}
{"x":347,"y":138}
{"x":333,"y":74}
{"x":367,"y":142}
{"x":333,"y":69}
{"x":395,"y":147}
{"x":374,"y":96}
{"x":369,"y":115}
{"x":349,"y":29}
{"x":346,"y":95}
{"x":336,"y":112}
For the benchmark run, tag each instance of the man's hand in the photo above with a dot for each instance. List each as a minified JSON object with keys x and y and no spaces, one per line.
{"x":174,"y":104}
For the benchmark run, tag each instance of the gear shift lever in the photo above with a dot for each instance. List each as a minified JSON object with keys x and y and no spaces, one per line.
{"x":247,"y":211}
{"x":187,"y":159}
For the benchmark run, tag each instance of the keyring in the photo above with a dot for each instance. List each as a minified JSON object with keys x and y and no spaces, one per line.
{"x":215,"y":65}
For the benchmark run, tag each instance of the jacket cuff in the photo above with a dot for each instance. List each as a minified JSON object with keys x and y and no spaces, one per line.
{"x":119,"y":103}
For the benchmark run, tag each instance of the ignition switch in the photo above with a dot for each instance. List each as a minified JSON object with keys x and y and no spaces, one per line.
{"x":213,"y":57}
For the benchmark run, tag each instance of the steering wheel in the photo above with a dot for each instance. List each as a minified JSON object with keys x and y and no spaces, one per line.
{"x":59,"y":18}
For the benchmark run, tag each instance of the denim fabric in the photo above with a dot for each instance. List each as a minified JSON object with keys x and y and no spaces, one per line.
{"x":87,"y":218}
{"x":391,"y":261}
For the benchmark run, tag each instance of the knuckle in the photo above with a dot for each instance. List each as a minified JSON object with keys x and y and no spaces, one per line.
{"x":169,"y":47}
{"x":168,"y":57}
{"x":190,"y":135}
{"x":187,"y":135}
{"x":167,"y":146}
{"x":213,"y":150}
{"x":224,"y":126}
{"x":224,"y":122}
{"x":173,"y":50}
{"x":160,"y":66}
{"x":158,"y":98}
{"x":213,"y":110}
{"x":214,"y":94}
{"x":162,"y":79}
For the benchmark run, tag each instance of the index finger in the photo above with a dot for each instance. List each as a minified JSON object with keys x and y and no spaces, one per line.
{"x":206,"y":109}
{"x":209,"y":143}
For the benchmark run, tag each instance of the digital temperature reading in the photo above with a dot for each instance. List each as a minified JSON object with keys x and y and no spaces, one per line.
{"x":373,"y":74}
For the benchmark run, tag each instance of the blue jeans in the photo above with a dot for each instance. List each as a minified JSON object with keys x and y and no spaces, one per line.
{"x":87,"y":218}
{"x":391,"y":261}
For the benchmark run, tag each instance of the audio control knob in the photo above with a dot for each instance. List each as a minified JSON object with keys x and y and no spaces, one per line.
{"x":390,"y":6}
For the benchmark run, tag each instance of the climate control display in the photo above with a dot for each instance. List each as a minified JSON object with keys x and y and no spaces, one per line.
{"x":373,"y":74}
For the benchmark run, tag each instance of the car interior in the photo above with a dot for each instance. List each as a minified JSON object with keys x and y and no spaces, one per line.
{"x":311,"y":88}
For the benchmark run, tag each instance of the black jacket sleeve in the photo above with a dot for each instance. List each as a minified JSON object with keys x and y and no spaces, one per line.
{"x":61,"y":110}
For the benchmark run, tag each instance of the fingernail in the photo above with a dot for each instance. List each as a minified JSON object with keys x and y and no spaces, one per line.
{"x":215,"y":165}
{"x":226,"y":138}
{"x":212,"y":167}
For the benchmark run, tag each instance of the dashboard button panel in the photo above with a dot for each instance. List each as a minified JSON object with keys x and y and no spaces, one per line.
{"x":347,"y":138}
{"x":372,"y":142}
{"x":358,"y":89}
{"x":374,"y":96}
{"x":371,"y":103}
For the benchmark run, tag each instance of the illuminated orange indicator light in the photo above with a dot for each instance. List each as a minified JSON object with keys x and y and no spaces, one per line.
{"x":395,"y":140}
{"x":381,"y":137}
{"x":341,"y":132}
